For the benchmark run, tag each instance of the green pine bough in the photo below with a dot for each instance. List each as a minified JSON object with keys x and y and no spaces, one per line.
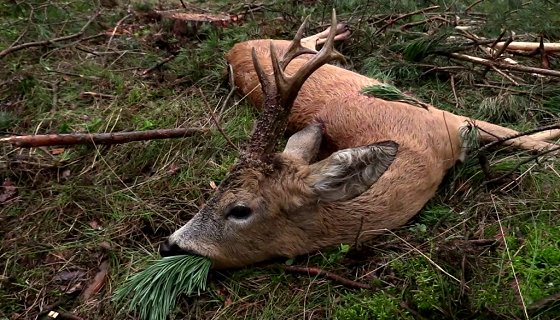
{"x":157,"y":288}
{"x":391,"y":93}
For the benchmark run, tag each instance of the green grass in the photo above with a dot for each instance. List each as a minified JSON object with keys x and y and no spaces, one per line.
{"x":139,"y":193}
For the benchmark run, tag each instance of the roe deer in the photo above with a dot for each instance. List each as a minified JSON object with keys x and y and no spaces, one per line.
{"x":382,"y":160}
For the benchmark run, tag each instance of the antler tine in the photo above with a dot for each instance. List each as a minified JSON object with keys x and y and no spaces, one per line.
{"x":289,"y":86}
{"x":295,"y":49}
{"x":280,"y":92}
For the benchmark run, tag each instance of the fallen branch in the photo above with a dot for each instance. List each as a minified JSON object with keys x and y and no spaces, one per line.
{"x":392,"y":21}
{"x":329,"y":275}
{"x":98,"y":138}
{"x":48,"y":42}
{"x":529,"y":46}
{"x":159,"y":64}
{"x":496,"y":64}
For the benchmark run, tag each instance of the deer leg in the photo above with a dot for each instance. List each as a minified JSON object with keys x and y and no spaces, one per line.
{"x":546,"y":135}
{"x":537,"y":142}
{"x":342,"y":33}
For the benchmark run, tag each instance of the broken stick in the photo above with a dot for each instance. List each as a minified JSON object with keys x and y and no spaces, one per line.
{"x":514,"y":67}
{"x":336,"y":278}
{"x":98,"y":138}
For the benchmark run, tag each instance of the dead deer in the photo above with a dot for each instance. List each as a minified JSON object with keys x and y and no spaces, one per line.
{"x":382,"y":161}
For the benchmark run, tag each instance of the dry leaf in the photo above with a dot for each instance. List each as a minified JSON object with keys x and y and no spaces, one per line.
{"x":58,"y":151}
{"x":213,"y":185}
{"x":9,"y":191}
{"x":95,"y":225}
{"x":97,"y":282}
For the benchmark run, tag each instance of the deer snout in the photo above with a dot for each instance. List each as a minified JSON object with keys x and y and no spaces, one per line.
{"x":168,"y":249}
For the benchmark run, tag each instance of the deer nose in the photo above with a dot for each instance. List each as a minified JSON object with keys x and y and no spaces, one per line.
{"x":167,"y":249}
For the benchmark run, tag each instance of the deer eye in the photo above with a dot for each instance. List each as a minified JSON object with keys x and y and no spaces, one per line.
{"x":239,"y":212}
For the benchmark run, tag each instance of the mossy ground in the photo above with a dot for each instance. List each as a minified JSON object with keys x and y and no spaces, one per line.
{"x":79,"y":205}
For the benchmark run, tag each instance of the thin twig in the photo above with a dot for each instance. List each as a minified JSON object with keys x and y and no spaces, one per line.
{"x":159,"y":64}
{"x":231,"y":91}
{"x":501,"y":51}
{"x":96,"y":94}
{"x":329,"y":275}
{"x":98,"y":138}
{"x":417,"y":23}
{"x":519,"y":165}
{"x":55,"y":97}
{"x":115,"y":30}
{"x":183,"y":4}
{"x":505,"y":75}
{"x":485,"y":165}
{"x":426,"y":257}
{"x":50,"y":41}
{"x":502,"y":34}
{"x":216,"y":122}
{"x":391,"y":22}
{"x":509,"y":257}
{"x":472,"y":5}
{"x":454,"y":92}
{"x":490,"y":52}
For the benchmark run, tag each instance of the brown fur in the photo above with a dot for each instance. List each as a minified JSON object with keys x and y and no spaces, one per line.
{"x":331,"y":85}
{"x":290,"y":214}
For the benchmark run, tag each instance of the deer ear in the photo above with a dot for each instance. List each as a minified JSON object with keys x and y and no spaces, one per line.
{"x":305,"y":144}
{"x":348,"y":173}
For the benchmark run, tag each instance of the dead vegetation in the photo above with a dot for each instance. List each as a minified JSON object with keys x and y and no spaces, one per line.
{"x":76,"y":220}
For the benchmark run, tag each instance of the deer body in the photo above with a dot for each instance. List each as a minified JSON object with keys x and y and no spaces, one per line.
{"x":379,"y":162}
{"x":332,"y":85}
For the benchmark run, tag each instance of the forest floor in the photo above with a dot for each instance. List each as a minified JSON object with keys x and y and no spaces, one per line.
{"x":476,"y":251}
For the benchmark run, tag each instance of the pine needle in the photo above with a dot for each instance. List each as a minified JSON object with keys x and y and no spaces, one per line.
{"x":469,"y":136}
{"x":422,"y":47}
{"x":391,"y":93}
{"x":156,"y":288}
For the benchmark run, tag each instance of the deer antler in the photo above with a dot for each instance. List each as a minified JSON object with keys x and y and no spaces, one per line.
{"x":281,"y":90}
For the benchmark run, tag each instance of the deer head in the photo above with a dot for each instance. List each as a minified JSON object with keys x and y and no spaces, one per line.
{"x":271,"y":204}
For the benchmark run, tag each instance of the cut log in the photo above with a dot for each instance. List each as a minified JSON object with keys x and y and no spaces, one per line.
{"x":530,"y":46}
{"x":188,"y":24}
